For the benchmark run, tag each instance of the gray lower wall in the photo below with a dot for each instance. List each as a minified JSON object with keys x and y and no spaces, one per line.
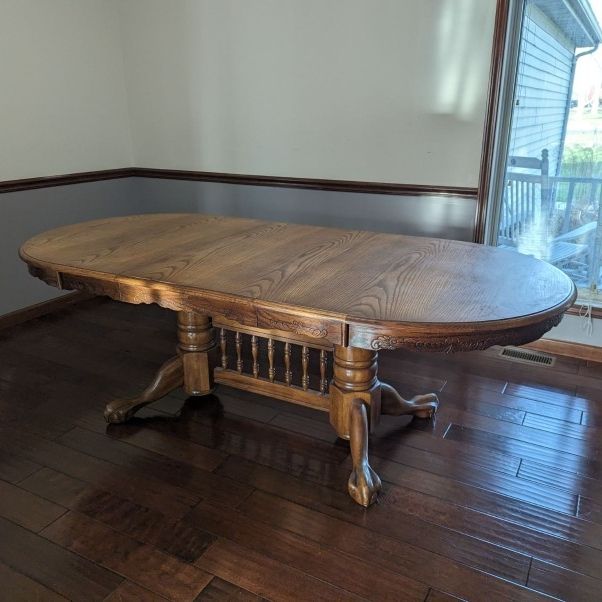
{"x":442,"y":217}
{"x":29,"y":212}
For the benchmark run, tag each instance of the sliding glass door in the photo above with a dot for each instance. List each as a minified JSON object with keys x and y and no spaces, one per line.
{"x":549,"y":203}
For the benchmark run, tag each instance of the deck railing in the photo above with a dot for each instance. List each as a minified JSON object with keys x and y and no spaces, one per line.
{"x":564,"y":198}
{"x":565,"y":208}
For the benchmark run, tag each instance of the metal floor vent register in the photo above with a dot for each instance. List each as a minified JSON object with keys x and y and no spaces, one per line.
{"x":516,"y":354}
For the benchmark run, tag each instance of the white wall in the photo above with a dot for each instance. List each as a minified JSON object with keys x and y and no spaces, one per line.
{"x":393,"y":90}
{"x":63,"y":104}
{"x":390,"y":91}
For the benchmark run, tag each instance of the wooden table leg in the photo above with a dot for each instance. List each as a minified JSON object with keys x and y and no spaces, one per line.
{"x":169,"y":377}
{"x":196,"y":341}
{"x":355,"y":408}
{"x":191,"y":368}
{"x":421,"y":406}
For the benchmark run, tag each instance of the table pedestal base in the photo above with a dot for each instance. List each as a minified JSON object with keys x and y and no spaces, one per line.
{"x":190,"y":369}
{"x":169,"y":377}
{"x":355,"y":399}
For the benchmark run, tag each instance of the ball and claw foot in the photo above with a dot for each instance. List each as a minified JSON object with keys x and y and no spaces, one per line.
{"x":364,"y":485}
{"x":121,"y":410}
{"x":421,"y":406}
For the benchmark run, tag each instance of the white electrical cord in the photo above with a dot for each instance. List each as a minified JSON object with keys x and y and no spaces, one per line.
{"x":585,"y":313}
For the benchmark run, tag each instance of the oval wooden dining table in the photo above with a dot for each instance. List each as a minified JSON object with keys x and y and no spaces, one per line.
{"x":300,"y":312}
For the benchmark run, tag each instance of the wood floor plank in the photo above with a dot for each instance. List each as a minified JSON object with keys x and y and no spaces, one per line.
{"x":432,"y":538}
{"x":305,"y":426}
{"x":513,"y":532}
{"x":178,"y":449}
{"x":571,"y":481}
{"x":143,"y":489}
{"x":560,"y":458}
{"x":539,"y":393}
{"x":140,"y":563}
{"x":93,"y":361}
{"x":219,"y":590}
{"x":518,"y":432}
{"x":483,"y":408}
{"x":130,"y":592}
{"x":463,"y":391}
{"x":53,"y":566}
{"x":436,"y":596}
{"x":264,"y":444}
{"x":266,"y":577}
{"x":391,"y":440}
{"x":563,"y":584}
{"x":590,"y":510}
{"x":366,"y":579}
{"x":358,"y":541}
{"x":27,"y":509}
{"x":530,"y":492}
{"x":16,"y":587}
{"x":527,"y":515}
{"x":463,"y":472}
{"x":450,"y":368}
{"x":164,"y":532}
{"x":561,"y":427}
{"x":14,"y":468}
{"x":203,"y":483}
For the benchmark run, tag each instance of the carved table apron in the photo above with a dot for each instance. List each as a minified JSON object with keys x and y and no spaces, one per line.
{"x":319,"y":299}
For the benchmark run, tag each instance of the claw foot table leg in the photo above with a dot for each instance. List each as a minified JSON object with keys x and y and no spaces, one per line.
{"x":191,"y":368}
{"x":169,"y":377}
{"x":354,"y":409}
{"x":421,"y":406}
{"x":364,"y":484}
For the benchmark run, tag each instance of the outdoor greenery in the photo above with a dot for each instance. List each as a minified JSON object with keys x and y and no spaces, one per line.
{"x":582,"y":161}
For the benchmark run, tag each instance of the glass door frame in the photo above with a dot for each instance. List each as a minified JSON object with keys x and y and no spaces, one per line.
{"x":494,"y":188}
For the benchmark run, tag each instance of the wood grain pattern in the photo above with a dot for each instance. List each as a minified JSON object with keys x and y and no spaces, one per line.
{"x":267,"y":577}
{"x":294,"y":550}
{"x":54,"y":566}
{"x":143,"y":564}
{"x":390,"y":290}
{"x":16,"y":587}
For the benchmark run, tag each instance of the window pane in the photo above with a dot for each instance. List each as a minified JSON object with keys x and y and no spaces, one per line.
{"x":553,"y":181}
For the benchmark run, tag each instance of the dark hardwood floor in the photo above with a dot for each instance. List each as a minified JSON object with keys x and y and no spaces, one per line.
{"x":239,"y":497}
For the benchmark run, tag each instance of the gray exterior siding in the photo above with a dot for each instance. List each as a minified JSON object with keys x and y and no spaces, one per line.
{"x":542,"y":89}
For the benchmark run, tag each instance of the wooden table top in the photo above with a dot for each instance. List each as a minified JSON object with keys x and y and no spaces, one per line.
{"x":380,"y":290}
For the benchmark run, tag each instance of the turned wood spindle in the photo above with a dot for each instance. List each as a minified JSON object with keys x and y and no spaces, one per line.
{"x":238,"y":341}
{"x":271,"y":369}
{"x":254,"y":354}
{"x":305,"y":366}
{"x":323,"y":381}
{"x":287,"y":364}
{"x":222,"y":346}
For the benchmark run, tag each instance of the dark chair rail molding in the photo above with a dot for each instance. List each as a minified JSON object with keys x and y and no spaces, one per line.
{"x":309,"y":183}
{"x":248,"y":180}
{"x":64,"y":180}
